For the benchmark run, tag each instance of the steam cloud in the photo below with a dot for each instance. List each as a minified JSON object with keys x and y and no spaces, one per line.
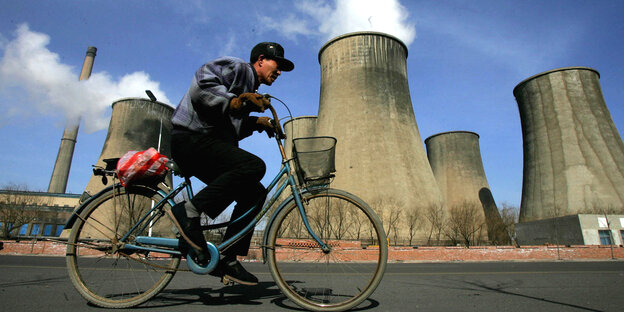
{"x":346,"y":16}
{"x":32,"y":79}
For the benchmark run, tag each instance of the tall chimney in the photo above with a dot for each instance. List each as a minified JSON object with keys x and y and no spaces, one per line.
{"x":573,"y":153}
{"x":60,"y":174}
{"x":365,"y":103}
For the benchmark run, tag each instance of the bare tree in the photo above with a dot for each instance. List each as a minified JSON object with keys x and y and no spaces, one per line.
{"x":436,"y":216}
{"x":358,"y":221}
{"x":465,"y":223}
{"x":339,"y":224}
{"x":555,"y":214}
{"x":319,"y":215}
{"x":18,"y":207}
{"x":509,"y":215}
{"x":389,"y":210}
{"x":413,"y":221}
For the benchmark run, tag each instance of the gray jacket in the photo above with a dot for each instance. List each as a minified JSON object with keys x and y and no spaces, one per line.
{"x":205,"y":106}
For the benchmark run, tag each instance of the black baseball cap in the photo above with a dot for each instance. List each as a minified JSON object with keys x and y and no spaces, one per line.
{"x":274,"y":51}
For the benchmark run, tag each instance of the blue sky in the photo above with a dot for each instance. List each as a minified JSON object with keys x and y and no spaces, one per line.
{"x":465,"y":58}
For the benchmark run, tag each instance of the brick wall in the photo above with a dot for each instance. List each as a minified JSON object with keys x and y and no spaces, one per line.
{"x":400,"y":254}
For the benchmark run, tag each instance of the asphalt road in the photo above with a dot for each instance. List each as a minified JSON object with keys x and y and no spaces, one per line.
{"x":35,"y":283}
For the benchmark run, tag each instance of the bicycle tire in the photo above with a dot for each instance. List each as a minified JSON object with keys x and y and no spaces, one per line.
{"x":356,"y":255}
{"x":100,"y":269}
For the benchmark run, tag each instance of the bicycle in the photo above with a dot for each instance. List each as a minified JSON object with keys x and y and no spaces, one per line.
{"x":123,"y":246}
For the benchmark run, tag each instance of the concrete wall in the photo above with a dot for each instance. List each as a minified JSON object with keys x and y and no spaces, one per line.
{"x":573,"y":153}
{"x":563,"y":230}
{"x":365,"y":103}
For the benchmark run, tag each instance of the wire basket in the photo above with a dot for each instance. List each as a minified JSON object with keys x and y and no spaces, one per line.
{"x":315,"y":159}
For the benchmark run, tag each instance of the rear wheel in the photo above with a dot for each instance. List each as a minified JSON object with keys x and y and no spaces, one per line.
{"x":334,"y":280}
{"x":100,"y":268}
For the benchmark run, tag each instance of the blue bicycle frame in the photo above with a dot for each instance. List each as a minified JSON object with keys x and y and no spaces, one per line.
{"x":215,"y":250}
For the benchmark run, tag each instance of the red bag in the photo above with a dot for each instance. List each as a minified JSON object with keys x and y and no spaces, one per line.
{"x":147,"y":165}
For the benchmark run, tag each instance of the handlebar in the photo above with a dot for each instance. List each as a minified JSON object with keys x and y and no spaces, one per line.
{"x":279,"y":133}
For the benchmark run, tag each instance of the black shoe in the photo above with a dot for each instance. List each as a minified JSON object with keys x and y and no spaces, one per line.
{"x":234,"y":271}
{"x":192,"y":229}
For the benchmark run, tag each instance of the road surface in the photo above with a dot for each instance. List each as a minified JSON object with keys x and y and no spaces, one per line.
{"x":37,"y":283}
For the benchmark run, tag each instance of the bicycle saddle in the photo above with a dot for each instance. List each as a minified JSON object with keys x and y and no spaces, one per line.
{"x":175,"y":169}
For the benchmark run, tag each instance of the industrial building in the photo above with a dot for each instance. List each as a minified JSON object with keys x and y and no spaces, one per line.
{"x":41,"y":214}
{"x":577,"y":229}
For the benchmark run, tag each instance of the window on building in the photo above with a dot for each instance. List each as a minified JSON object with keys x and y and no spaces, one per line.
{"x":23,"y":230}
{"x":602,"y":222}
{"x":59,"y":229}
{"x":622,"y":236}
{"x":34,"y":230}
{"x":605,"y":237}
{"x":47,"y":230}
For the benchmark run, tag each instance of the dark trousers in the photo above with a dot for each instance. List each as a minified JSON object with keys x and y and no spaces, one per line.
{"x":230,"y":174}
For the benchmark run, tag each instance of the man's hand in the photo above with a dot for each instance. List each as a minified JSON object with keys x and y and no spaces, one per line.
{"x":265,"y":123}
{"x":260,"y":103}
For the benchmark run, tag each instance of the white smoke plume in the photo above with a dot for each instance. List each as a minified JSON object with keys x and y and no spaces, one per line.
{"x":33,"y":80}
{"x":333,"y":18}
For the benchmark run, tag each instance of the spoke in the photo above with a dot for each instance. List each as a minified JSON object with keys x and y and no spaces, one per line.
{"x":97,"y":229}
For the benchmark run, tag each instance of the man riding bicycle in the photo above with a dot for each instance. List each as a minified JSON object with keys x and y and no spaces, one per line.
{"x":209,"y":121}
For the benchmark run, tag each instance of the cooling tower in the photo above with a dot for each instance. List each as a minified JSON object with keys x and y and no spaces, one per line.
{"x":60,"y":173}
{"x":365,"y":103}
{"x":298,"y":127}
{"x":455,"y":159}
{"x":573,"y":154}
{"x":136,"y":124}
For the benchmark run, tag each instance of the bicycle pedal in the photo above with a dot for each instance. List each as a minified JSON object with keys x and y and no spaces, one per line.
{"x":227,"y":282}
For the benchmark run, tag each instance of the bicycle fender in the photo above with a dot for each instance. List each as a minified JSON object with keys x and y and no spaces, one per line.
{"x":78,"y":211}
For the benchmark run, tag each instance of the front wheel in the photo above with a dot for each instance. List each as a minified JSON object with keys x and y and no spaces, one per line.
{"x":334,"y":280}
{"x":101,"y":269}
